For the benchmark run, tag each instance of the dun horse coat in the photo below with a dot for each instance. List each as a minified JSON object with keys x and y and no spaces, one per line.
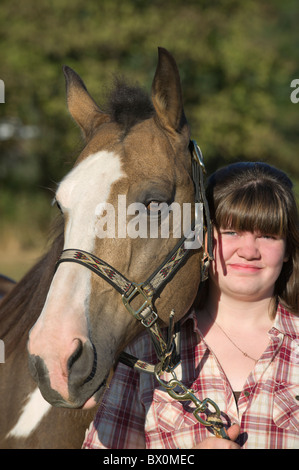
{"x":72,"y":322}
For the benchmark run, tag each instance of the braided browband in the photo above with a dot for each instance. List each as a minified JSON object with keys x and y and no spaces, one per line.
{"x":118,"y":280}
{"x":98,"y":266}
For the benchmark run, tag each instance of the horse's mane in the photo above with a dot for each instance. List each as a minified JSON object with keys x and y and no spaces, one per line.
{"x":128,"y":104}
{"x":21,"y":307}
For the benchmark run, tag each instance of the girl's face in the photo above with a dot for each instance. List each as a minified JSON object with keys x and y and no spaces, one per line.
{"x":247,"y":264}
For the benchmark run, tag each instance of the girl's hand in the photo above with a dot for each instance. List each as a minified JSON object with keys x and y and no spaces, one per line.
{"x":217,"y":443}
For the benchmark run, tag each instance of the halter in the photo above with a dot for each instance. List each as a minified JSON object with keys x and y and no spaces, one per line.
{"x":167,"y":349}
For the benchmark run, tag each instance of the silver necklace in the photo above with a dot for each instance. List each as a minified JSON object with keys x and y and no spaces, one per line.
{"x":236,"y":346}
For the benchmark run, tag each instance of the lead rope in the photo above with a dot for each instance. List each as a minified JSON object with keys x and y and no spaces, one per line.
{"x":183,"y":393}
{"x":174,"y":387}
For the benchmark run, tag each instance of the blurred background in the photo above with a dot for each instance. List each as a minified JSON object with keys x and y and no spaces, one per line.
{"x":237,"y":59}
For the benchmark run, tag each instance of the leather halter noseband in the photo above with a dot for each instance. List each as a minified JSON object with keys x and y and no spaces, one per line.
{"x":165,"y":349}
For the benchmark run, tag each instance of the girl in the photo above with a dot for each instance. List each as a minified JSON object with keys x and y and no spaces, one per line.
{"x":239,"y":344}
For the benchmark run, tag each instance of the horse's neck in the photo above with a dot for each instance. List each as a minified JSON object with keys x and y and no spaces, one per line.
{"x":21,"y":307}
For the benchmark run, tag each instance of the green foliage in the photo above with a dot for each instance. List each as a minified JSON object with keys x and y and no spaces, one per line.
{"x":27,"y":214}
{"x":237,"y":59}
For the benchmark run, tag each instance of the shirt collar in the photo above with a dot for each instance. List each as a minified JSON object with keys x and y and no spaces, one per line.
{"x":192,"y":316}
{"x":286,"y":323}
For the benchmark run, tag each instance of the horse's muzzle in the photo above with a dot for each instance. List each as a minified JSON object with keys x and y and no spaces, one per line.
{"x":81,"y":382}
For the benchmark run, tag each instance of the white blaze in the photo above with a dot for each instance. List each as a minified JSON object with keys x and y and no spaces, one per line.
{"x":31,"y":415}
{"x":65,"y":313}
{"x":82,"y":195}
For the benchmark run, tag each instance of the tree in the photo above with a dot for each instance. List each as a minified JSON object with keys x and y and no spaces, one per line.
{"x":236,"y":58}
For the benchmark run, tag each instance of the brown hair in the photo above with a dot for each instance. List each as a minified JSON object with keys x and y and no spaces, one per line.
{"x":258,"y":197}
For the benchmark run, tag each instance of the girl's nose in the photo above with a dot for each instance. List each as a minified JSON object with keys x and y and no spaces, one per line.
{"x":248,"y":247}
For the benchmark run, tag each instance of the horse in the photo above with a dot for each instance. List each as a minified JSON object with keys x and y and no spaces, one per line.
{"x":69,"y":323}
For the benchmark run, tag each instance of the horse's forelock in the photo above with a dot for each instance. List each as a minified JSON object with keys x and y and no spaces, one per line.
{"x":128,"y":104}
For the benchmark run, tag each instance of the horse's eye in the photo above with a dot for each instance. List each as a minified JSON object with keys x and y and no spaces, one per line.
{"x":59,"y":206}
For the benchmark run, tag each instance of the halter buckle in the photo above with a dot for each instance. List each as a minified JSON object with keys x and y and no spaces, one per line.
{"x":197,"y":155}
{"x":145,"y":313}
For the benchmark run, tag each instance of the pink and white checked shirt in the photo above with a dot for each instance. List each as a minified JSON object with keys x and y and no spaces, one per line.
{"x":137,"y":413}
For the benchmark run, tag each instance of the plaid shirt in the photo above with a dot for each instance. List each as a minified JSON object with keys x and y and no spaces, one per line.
{"x":137,"y":413}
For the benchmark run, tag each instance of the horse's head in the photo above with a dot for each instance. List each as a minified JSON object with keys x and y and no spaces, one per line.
{"x":136,"y":152}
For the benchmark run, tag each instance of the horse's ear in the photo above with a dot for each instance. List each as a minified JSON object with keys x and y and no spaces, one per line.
{"x":82,"y":107}
{"x":167,"y":93}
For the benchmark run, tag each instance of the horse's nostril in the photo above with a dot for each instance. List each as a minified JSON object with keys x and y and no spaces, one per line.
{"x":94,"y":365}
{"x":81,"y":364}
{"x":76,"y":354}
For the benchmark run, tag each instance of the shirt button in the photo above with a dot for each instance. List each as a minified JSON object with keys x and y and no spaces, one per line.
{"x":297,"y":397}
{"x":246,"y":393}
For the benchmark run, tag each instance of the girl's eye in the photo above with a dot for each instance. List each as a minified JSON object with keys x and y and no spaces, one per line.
{"x":228,"y":232}
{"x":269,"y":237}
